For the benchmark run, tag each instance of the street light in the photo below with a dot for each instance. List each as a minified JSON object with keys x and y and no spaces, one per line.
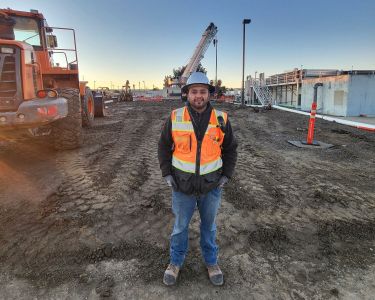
{"x":144,"y":86}
{"x":244,"y":22}
{"x":215,"y":45}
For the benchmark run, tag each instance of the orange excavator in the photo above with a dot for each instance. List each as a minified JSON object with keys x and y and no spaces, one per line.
{"x":39,"y":95}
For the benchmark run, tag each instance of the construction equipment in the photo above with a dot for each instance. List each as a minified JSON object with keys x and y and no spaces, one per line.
{"x":105,"y":92}
{"x":207,"y":37}
{"x":38,"y":94}
{"x":126,"y":94}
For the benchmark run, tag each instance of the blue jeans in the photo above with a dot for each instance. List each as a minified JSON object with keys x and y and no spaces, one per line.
{"x":183,"y":207}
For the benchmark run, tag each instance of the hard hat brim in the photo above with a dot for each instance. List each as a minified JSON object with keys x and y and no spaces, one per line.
{"x":185,"y":88}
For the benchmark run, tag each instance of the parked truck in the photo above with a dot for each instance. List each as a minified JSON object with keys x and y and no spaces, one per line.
{"x":38,"y":94}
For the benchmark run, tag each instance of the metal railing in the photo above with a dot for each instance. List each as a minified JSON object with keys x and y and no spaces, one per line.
{"x":262,"y":91}
{"x":285,"y":78}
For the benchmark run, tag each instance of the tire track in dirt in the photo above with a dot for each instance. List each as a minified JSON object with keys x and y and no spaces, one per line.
{"x":79,"y":201}
{"x":291,"y":221}
{"x":71,"y":206}
{"x":139,"y":186}
{"x":22,"y":227}
{"x":133,"y":191}
{"x":283,"y":202}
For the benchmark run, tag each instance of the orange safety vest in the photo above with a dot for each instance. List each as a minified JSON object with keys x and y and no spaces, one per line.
{"x":185,"y":150}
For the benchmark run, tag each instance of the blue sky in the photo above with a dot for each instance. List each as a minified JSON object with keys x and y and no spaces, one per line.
{"x":139,"y":40}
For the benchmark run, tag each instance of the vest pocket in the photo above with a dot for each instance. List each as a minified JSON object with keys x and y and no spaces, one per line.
{"x":183,"y":142}
{"x":211,"y":144}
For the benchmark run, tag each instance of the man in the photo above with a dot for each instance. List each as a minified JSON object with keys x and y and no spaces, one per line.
{"x":197,"y":154}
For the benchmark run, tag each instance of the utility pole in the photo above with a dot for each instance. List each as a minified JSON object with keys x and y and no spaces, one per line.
{"x":215,"y":44}
{"x":244,"y":22}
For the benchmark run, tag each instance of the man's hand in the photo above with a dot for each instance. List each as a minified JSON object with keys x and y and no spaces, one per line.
{"x":222,"y":181}
{"x":170,"y":181}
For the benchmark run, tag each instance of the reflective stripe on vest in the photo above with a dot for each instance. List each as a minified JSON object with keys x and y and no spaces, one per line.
{"x":185,"y":150}
{"x":211,"y":167}
{"x":190,"y":167}
{"x":183,"y":165}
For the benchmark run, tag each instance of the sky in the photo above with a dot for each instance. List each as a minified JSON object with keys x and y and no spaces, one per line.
{"x":143,"y":41}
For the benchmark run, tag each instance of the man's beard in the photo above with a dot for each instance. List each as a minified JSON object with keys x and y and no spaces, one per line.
{"x":200,"y":103}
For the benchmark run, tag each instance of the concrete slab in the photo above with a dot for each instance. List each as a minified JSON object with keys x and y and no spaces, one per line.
{"x":369,"y":125}
{"x":315,"y":145}
{"x":364,"y":120}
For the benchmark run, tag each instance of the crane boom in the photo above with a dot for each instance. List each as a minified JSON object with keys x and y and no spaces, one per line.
{"x":207,"y":37}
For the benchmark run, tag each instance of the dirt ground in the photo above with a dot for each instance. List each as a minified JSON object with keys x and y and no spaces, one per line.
{"x":95,"y":222}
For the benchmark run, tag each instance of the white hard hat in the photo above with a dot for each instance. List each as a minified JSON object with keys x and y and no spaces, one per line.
{"x":197,"y":78}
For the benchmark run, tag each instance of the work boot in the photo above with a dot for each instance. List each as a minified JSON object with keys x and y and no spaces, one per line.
{"x":171,"y":274}
{"x":215,"y":275}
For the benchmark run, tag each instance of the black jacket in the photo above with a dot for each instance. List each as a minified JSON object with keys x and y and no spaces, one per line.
{"x":191,"y":183}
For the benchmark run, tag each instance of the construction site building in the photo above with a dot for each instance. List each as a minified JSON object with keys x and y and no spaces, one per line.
{"x":344,"y":93}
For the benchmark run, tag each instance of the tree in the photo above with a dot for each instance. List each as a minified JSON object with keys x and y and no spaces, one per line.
{"x":221,"y":90}
{"x":167,"y":81}
{"x":177,"y":73}
{"x":201,"y":69}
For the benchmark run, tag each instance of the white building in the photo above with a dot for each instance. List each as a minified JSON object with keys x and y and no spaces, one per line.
{"x":344,"y":93}
{"x":351,"y":94}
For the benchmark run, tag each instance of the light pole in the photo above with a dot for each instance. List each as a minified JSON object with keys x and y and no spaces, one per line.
{"x":215,"y":44}
{"x":144,"y":86}
{"x":244,"y":22}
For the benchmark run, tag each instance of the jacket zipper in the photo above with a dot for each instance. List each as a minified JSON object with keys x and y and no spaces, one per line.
{"x":198,"y":158}
{"x":197,"y":164}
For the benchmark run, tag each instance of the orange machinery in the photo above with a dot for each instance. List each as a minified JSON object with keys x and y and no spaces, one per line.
{"x":39,"y":95}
